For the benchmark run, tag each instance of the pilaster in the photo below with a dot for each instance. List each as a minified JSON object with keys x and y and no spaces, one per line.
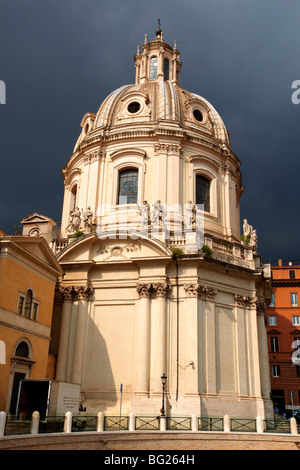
{"x":263,"y":349}
{"x":158,"y":364}
{"x":83,"y":293}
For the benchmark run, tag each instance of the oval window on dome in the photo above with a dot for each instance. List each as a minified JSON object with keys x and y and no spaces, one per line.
{"x":134,"y":107}
{"x":198,"y":115}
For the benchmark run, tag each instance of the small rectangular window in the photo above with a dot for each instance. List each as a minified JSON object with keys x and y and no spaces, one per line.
{"x":296,"y":320}
{"x":272,"y":320}
{"x":274,"y":344}
{"x":276,"y":371}
{"x":272,"y":304}
{"x":35,"y":308}
{"x":292,"y":274}
{"x":21,"y":304}
{"x":294,"y":300}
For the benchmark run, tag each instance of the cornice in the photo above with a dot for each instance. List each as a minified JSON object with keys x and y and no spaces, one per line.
{"x":158,"y":127}
{"x":286,"y":282}
{"x":95,"y":144}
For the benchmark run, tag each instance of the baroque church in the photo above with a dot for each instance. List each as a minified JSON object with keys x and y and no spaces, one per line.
{"x":157,"y":277}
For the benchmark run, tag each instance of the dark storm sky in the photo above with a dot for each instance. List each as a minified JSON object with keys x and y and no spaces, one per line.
{"x":60,"y":58}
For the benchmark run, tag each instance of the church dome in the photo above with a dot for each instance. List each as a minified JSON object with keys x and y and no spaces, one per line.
{"x":153,"y":141}
{"x":152,"y":102}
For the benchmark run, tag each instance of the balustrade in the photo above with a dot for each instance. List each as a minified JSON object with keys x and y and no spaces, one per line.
{"x":11,"y":425}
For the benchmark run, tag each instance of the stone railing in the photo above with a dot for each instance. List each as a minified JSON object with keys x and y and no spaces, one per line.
{"x":58,"y":244}
{"x":100,"y":423}
{"x":222,"y":250}
{"x":231,"y":252}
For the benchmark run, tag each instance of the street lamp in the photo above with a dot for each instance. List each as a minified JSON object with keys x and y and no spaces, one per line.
{"x":163,"y":381}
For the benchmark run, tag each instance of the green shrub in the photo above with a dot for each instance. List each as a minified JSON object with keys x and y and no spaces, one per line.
{"x":177,"y":252}
{"x":78,"y":234}
{"x":207,"y":250}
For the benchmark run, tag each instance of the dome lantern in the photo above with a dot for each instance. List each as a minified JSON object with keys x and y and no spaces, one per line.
{"x":157,"y":61}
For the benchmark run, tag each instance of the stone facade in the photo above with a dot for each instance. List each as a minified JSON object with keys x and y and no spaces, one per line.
{"x":160,"y":283}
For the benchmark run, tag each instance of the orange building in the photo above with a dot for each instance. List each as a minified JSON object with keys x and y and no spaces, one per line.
{"x":283,"y":331}
{"x":28,"y":274}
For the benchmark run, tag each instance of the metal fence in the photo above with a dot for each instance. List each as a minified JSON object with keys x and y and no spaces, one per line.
{"x":243,"y":425}
{"x":15,"y":426}
{"x":52,"y":424}
{"x":210,"y":424}
{"x":147,"y":423}
{"x":278,"y":425}
{"x":116,"y":423}
{"x":179,"y":424}
{"x":84,"y":423}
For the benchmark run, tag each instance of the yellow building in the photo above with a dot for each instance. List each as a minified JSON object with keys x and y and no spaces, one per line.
{"x":28,"y":274}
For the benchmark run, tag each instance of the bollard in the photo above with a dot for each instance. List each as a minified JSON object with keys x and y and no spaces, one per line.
{"x":35,"y":422}
{"x":259,"y":424}
{"x":100,"y":421}
{"x":227,"y":423}
{"x":293,"y":425}
{"x":163,"y":423}
{"x":131,"y":422}
{"x":194,"y":423}
{"x":68,"y":422}
{"x":2,"y":423}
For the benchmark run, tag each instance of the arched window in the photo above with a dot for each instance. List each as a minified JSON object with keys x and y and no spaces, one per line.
{"x":22,"y":350}
{"x":28,"y":303}
{"x":128,"y":186}
{"x":203,"y":192}
{"x":73,"y":198}
{"x":166,"y":69}
{"x":153,"y":68}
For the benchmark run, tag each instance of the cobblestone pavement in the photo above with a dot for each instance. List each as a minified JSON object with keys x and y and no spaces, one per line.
{"x":152,"y":441}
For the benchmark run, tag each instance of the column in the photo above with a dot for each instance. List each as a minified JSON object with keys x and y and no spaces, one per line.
{"x":143,"y":348}
{"x":62,"y":358}
{"x":79,"y":343}
{"x":263,"y":350}
{"x":158,"y":336}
